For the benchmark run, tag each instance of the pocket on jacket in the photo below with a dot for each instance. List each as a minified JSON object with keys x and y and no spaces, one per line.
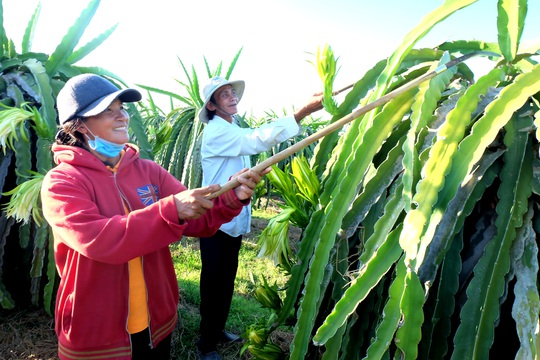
{"x":66,"y":314}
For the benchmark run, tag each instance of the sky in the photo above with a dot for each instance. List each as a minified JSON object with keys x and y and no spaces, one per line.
{"x":278,"y":39}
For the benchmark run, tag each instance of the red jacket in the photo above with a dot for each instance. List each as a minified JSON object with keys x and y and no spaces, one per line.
{"x":94,"y":240}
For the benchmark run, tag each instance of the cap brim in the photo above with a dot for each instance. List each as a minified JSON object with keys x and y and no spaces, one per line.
{"x":237,"y":85}
{"x":98,"y":106}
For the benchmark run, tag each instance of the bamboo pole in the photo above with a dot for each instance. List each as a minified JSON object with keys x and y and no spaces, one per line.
{"x":348,"y":118}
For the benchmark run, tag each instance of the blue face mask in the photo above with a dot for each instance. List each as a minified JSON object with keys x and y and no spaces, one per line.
{"x":104,"y":147}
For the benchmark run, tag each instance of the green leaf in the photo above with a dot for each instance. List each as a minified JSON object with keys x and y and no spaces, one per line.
{"x":439,"y":328}
{"x":305,"y":179}
{"x":409,"y":332}
{"x":455,"y":214}
{"x":378,"y":265}
{"x":166,"y":93}
{"x":38,"y":262}
{"x":192,"y":171}
{"x":233,"y":64}
{"x":25,"y":198}
{"x":80,"y":53}
{"x":64,"y":50}
{"x":52,"y":276}
{"x":6,"y":300}
{"x":12,"y":126}
{"x":373,"y":189}
{"x":485,"y":129}
{"x":359,"y":91}
{"x":298,"y":271}
{"x":426,"y":24}
{"x":475,"y":334}
{"x":333,"y":345}
{"x":368,"y":145}
{"x":30,"y":28}
{"x":426,"y":101}
{"x":469,"y":46}
{"x":510,"y":23}
{"x":326,"y":65}
{"x":393,"y":210}
{"x":136,"y":125}
{"x":3,"y":37}
{"x":440,"y":163}
{"x":527,"y":302}
{"x":391,"y":316}
{"x":274,"y":240}
{"x":46,"y":129}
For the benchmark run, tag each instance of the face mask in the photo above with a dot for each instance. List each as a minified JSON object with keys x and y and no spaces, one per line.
{"x":104,"y":147}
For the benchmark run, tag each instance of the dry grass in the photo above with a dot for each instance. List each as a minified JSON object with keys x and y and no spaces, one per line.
{"x":27,"y":335}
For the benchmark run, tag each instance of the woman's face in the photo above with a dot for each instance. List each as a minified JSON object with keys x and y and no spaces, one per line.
{"x":111,"y":124}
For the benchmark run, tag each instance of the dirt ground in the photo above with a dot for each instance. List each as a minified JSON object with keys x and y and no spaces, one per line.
{"x":27,"y":335}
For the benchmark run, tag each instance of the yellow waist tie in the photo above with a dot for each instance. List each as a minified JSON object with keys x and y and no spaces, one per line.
{"x":138,"y":310}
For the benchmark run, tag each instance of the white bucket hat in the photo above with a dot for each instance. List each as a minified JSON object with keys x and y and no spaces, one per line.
{"x":214,"y":84}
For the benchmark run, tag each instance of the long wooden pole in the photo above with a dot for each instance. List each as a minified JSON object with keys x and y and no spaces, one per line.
{"x":347,"y":119}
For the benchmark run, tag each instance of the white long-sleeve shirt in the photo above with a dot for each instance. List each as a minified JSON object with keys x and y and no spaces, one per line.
{"x":226,"y":149}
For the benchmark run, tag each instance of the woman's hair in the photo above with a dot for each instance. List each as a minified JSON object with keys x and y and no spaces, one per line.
{"x":68,"y":134}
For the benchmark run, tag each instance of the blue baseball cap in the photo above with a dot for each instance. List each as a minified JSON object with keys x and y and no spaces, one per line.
{"x":89,"y":95}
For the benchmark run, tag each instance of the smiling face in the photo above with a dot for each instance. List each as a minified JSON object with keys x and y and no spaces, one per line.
{"x":111,"y":124}
{"x":226,"y":102}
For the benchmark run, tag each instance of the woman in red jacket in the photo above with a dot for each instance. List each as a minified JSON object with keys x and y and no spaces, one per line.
{"x":113,"y":215}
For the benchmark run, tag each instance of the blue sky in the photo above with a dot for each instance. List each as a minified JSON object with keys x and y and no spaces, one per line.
{"x":277,"y":38}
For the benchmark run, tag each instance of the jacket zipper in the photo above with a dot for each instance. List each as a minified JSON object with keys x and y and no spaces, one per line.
{"x":126,"y":203}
